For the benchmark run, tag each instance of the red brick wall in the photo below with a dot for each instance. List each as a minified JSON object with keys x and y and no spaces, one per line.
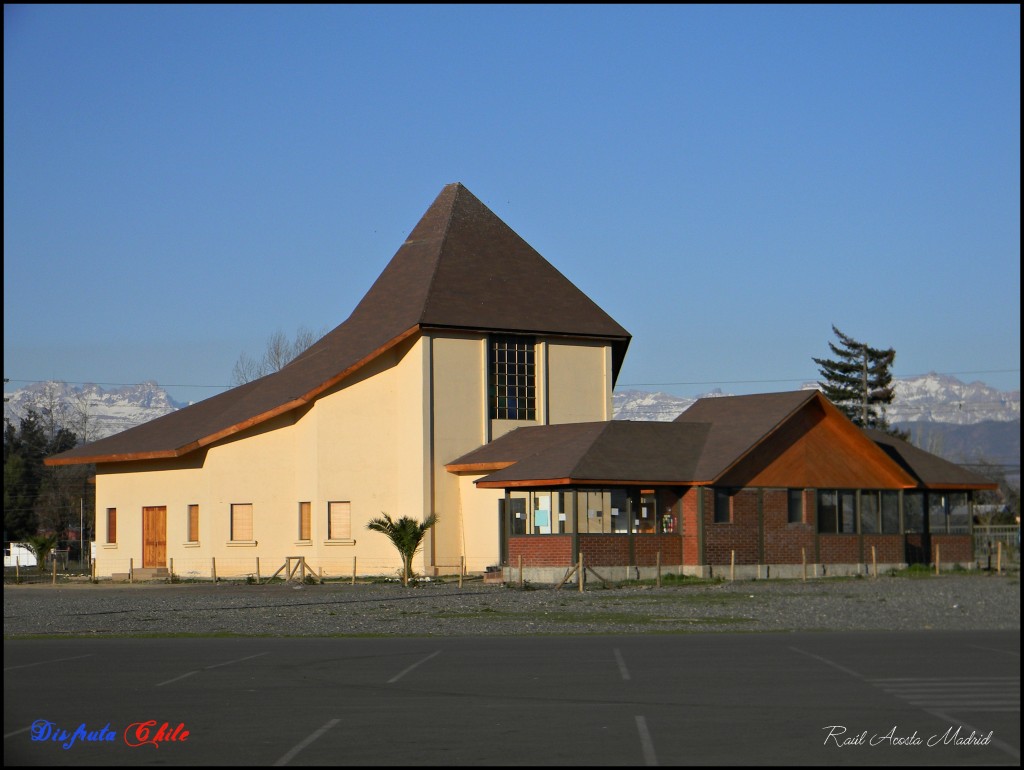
{"x":889,"y":549}
{"x":739,"y":535}
{"x":953,"y":548}
{"x":786,"y":543}
{"x":646,"y":548}
{"x":541,"y":551}
{"x":605,"y":550}
{"x":690,"y":514}
{"x":839,"y":549}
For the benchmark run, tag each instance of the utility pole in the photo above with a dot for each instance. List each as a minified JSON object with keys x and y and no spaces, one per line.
{"x":864,"y":386}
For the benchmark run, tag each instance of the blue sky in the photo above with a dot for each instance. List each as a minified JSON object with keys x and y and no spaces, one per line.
{"x":727,"y":182}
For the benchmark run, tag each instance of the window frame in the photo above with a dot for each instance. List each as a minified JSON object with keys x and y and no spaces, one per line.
{"x":192,"y":523}
{"x":237,"y":518}
{"x":722,"y":507}
{"x":512,"y":377}
{"x":795,"y":511}
{"x":305,"y":521}
{"x":332,"y":535}
{"x":111,"y":526}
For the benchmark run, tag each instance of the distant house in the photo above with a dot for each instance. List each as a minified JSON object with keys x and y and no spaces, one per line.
{"x":18,"y":555}
{"x":475,"y":381}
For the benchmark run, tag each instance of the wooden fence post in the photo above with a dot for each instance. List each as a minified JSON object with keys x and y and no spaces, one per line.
{"x":999,"y":557}
{"x":657,"y":565}
{"x":874,"y":561}
{"x":579,"y":572}
{"x":732,"y":566}
{"x":92,"y":569}
{"x":259,"y":577}
{"x":937,"y":557}
{"x":462,"y":569}
{"x":520,"y":570}
{"x":213,"y":568}
{"x":54,"y":581}
{"x":803,"y":551}
{"x":131,"y":569}
{"x":353,"y":570}
{"x":170,"y":568}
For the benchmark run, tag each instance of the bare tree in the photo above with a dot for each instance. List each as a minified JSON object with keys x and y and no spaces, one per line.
{"x":278,"y":352}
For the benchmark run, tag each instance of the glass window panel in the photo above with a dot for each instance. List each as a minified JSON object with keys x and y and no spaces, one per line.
{"x":891,"y":512}
{"x":848,"y":501}
{"x":869,"y":523}
{"x":938,"y":513}
{"x":795,"y":513}
{"x":828,"y":510}
{"x":913,"y":511}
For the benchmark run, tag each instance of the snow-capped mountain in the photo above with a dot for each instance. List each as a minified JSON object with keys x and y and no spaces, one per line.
{"x":942,"y":398}
{"x":930,"y":397}
{"x":89,"y":410}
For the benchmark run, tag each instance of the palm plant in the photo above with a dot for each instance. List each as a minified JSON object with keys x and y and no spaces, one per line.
{"x":40,"y":546}
{"x":406,"y":534}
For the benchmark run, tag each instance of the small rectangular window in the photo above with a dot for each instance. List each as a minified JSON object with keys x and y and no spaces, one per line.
{"x":241,"y":522}
{"x":723,"y":505}
{"x":828,"y":511}
{"x":193,"y":524}
{"x":796,"y":506}
{"x":305,"y":522}
{"x":339,"y":521}
{"x":111,"y":525}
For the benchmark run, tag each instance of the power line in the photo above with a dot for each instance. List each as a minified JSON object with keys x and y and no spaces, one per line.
{"x":802,"y":379}
{"x":618,"y":385}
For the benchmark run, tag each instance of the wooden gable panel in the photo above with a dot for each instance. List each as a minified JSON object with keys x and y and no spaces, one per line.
{"x":817,"y":448}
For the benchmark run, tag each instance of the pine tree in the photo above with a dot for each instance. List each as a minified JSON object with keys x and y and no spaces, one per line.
{"x":859,"y":381}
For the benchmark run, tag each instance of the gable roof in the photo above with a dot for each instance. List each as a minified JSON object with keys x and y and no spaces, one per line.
{"x":460,"y":268}
{"x":738,"y":424}
{"x":771,"y":437}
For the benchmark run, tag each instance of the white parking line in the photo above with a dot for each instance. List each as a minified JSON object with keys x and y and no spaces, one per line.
{"x":398,"y":676}
{"x":622,"y":665}
{"x":45,"y":662}
{"x":178,"y":678}
{"x":215,"y":665}
{"x":237,"y":660}
{"x":291,"y":754}
{"x":650,"y":758}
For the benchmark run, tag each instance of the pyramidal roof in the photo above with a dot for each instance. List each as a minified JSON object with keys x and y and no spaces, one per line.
{"x":461,"y":268}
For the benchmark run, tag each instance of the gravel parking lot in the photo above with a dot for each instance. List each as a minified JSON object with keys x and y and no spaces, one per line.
{"x":979,"y":601}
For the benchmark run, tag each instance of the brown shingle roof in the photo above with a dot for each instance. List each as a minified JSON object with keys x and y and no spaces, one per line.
{"x":618,"y":451}
{"x":739,"y":423}
{"x":460,"y":268}
{"x":699,"y":447}
{"x":931,"y":471}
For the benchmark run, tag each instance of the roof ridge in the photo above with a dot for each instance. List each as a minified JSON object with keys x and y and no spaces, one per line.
{"x":459,"y":187}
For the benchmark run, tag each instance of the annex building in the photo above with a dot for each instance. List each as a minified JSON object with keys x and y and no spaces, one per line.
{"x":474,"y":381}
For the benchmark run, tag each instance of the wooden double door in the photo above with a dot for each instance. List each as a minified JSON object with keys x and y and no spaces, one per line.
{"x":154,"y":536}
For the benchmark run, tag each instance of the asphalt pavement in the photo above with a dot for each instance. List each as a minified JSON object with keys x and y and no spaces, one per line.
{"x":930,"y":698}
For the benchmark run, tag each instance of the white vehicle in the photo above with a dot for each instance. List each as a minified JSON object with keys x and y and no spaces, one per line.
{"x":18,"y":555}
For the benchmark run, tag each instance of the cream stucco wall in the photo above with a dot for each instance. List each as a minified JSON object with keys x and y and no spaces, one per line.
{"x":579,"y":377}
{"x":361,"y":443}
{"x":379,"y":441}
